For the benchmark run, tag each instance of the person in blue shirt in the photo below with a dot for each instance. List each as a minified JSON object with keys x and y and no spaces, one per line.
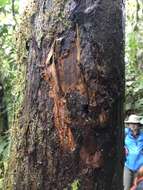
{"x":133,"y":150}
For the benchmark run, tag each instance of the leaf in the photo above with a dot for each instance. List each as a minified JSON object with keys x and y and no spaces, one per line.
{"x":128,"y":106}
{"x":4,"y":2}
{"x":3,"y":30}
{"x":75,"y":185}
{"x":1,"y":183}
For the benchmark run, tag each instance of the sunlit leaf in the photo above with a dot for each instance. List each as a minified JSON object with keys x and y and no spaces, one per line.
{"x":4,"y":2}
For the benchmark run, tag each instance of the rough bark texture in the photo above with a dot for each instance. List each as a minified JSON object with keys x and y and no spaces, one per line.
{"x":71,"y":125}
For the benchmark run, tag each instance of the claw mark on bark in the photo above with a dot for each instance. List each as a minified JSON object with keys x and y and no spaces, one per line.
{"x":64,"y":74}
{"x":92,"y":7}
{"x":78,"y":61}
{"x":61,"y":118}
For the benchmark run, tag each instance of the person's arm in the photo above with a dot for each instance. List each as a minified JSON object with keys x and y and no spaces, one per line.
{"x":126,"y":131}
{"x":126,"y":151}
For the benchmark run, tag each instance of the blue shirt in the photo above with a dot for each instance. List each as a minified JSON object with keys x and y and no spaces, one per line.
{"x":134,"y":147}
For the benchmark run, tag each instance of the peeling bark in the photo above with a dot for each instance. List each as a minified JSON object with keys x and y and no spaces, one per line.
{"x":71,"y":126}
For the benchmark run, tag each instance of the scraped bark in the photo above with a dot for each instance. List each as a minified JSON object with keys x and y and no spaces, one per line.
{"x":71,"y":123}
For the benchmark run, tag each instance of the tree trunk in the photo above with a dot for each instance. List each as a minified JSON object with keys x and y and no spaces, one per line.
{"x":3,"y":112}
{"x":71,"y":123}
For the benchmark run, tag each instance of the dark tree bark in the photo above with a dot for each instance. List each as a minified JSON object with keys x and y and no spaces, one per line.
{"x":71,"y":123}
{"x":3,"y":112}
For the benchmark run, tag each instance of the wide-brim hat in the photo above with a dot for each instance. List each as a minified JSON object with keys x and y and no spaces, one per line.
{"x":133,"y":119}
{"x":141,"y":121}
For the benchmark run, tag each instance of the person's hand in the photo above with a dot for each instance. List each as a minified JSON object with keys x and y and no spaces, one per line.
{"x":126,"y":151}
{"x":135,"y":181}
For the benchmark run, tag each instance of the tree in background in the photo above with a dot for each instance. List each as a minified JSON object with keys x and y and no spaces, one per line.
{"x":10,"y":70}
{"x":11,"y":80}
{"x":134,"y":57}
{"x":3,"y":112}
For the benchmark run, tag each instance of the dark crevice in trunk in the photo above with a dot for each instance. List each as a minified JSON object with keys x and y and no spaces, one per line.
{"x":3,"y":112}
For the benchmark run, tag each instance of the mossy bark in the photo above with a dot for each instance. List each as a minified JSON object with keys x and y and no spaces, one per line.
{"x":71,"y":123}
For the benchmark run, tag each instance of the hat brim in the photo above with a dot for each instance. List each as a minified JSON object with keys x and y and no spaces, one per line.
{"x":134,"y":122}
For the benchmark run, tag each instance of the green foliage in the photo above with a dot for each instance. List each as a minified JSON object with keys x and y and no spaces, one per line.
{"x":4,"y":2}
{"x":11,"y":76}
{"x":134,"y":56}
{"x":75,"y":185}
{"x":4,"y":150}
